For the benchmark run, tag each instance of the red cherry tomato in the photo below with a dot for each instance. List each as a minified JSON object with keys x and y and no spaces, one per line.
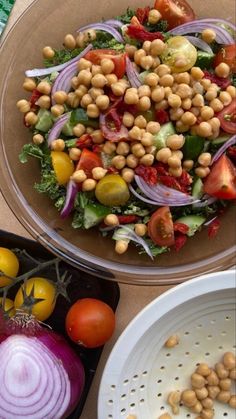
{"x":160,"y":227}
{"x":221,"y":181}
{"x":227,"y":118}
{"x":176,"y":12}
{"x":90,"y":322}
{"x":227,"y":54}
{"x":88,"y":161}
{"x":96,"y":55}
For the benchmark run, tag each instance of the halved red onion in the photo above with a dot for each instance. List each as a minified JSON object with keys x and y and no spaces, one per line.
{"x":63,"y":80}
{"x":38,"y":72}
{"x":199,"y":43}
{"x":222,"y":36}
{"x":105,"y":28}
{"x":231,"y":141}
{"x":57,"y":127}
{"x":109,"y":134}
{"x":132,"y":74}
{"x":71,"y":191}
{"x":114,"y":22}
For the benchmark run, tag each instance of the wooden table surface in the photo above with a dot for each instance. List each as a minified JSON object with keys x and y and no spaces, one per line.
{"x":132,"y":298}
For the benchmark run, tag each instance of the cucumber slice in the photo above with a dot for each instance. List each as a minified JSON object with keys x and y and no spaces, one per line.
{"x":68,"y":129}
{"x":194,"y":222}
{"x":197,"y":189}
{"x":94,"y":214}
{"x":204,"y":60}
{"x":220,"y":140}
{"x":192,"y":147}
{"x":160,"y":138}
{"x":45,"y":121}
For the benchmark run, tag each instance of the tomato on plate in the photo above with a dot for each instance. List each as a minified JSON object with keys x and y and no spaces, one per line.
{"x":96,"y":55}
{"x":160,"y":227}
{"x":88,"y":161}
{"x":221,"y":181}
{"x":90,"y":322}
{"x":9,"y":265}
{"x":37,"y":296}
{"x":227,"y":54}
{"x":227,"y":118}
{"x":62,"y":165}
{"x":176,"y":12}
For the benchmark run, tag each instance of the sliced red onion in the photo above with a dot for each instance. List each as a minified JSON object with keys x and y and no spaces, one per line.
{"x":222,"y":36}
{"x":199,"y":43}
{"x":63,"y":81}
{"x":103,"y":27}
{"x":148,"y":201}
{"x":164,"y":195}
{"x":231,"y":141}
{"x":113,"y":136}
{"x":132,"y":74}
{"x":207,"y":223}
{"x":57,"y":127}
{"x":128,"y":234}
{"x":40,"y":376}
{"x":38,"y":72}
{"x":114,"y":22}
{"x":219,"y":22}
{"x":71,"y":191}
{"x":205,"y":201}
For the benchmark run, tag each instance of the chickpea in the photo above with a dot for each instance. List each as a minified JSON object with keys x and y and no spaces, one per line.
{"x":225,"y":98}
{"x":127,"y":174}
{"x":223,"y":396}
{"x":102,"y":102}
{"x":189,"y":398}
{"x":208,"y":35}
{"x":146,"y":62}
{"x":44,"y":87}
{"x":156,"y":63}
{"x":140,"y":53}
{"x":197,"y":73}
{"x":86,"y":100}
{"x":165,"y":416}
{"x":154,"y":16}
{"x":95,"y":92}
{"x":147,"y":160}
{"x":180,"y":61}
{"x":197,"y":380}
{"x":221,"y":370}
{"x":173,"y":340}
{"x":146,"y":46}
{"x":57,"y":110}
{"x":177,"y":153}
{"x":197,"y":408}
{"x":211,"y":94}
{"x":48,"y":52}
{"x":163,"y":155}
{"x":163,"y":104}
{"x":111,"y":79}
{"x":90,"y":35}
{"x":184,"y":91}
{"x":81,"y":91}
{"x":202,"y":171}
{"x":175,"y":142}
{"x":188,"y":164}
{"x":197,"y":88}
{"x":98,"y":80}
{"x":231,"y":90}
{"x":158,"y":93}
{"x":74,"y":153}
{"x":97,"y":136}
{"x":205,"y":83}
{"x":206,"y":113}
{"x":204,"y":129}
{"x":31,"y":118}
{"x":111,"y":219}
{"x":121,"y":246}
{"x":176,"y":114}
{"x":151,"y":79}
{"x":225,"y":384}
{"x":60,"y":97}
{"x":119,"y":162}
{"x":107,"y":66}
{"x":188,"y":118}
{"x":144,"y":104}
{"x":174,"y":101}
{"x":140,"y":229}
{"x":203,"y":369}
{"x":72,"y":100}
{"x":109,"y":148}
{"x":84,"y":64}
{"x":175,"y":171}
{"x":186,"y":104}
{"x":212,"y":379}
{"x":222,"y":70}
{"x":80,"y":40}
{"x":232,"y":401}
{"x":131,"y":98}
{"x":153,"y":127}
{"x":182,"y":77}
{"x":138,"y":150}
{"x":167,"y":80}
{"x":204,"y":159}
{"x":23,"y":105}
{"x":130,"y":50}
{"x":207,"y":413}
{"x":29,"y":84}
{"x":88,"y":185}
{"x":44,"y":102}
{"x":135,"y":133}
{"x":98,"y":173}
{"x":79,"y":130}
{"x":96,"y":69}
{"x":162,"y":69}
{"x":69,"y":41}
{"x":207,"y":403}
{"x":58,"y":145}
{"x":173,"y":400}
{"x":157,"y":48}
{"x":128,"y":119}
{"x":229,"y":360}
{"x":232,"y":374}
{"x":132,"y":161}
{"x":38,"y":139}
{"x":140,"y":121}
{"x":122,"y":148}
{"x":147,"y":139}
{"x":198,"y":100}
{"x":89,"y":130}
{"x":144,"y":90}
{"x":174,"y":162}
{"x":201,"y":393}
{"x":93,"y":111}
{"x":213,"y":391}
{"x":180,"y":127}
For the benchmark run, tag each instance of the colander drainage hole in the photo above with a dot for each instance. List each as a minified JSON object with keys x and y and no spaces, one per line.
{"x":144,"y":373}
{"x":142,"y":387}
{"x":159,"y":395}
{"x":225,"y":414}
{"x":220,"y":348}
{"x":209,"y":336}
{"x":123,"y":396}
{"x":123,"y":410}
{"x":207,"y":353}
{"x":132,"y":405}
{"x":132,"y":391}
{"x":113,"y":386}
{"x":126,"y":381}
{"x":223,"y":333}
{"x":162,"y":367}
{"x":186,"y":333}
{"x":176,"y":378}
{"x":187,"y":353}
{"x":213,"y":321}
{"x":180,"y":365}
{"x":197,"y":343}
{"x":199,"y":326}
{"x":110,"y":416}
{"x":135,"y":377}
{"x":110,"y":401}
{"x":159,"y":381}
{"x":141,"y":401}
{"x":168,"y":354}
{"x":162,"y":407}
{"x":227,"y":317}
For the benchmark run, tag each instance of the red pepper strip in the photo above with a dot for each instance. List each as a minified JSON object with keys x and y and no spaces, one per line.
{"x":220,"y":81}
{"x":180,"y":241}
{"x":149,"y":174}
{"x":162,"y":116}
{"x":170,"y":181}
{"x":181,"y":183}
{"x":112,"y":170}
{"x":85,"y":141}
{"x":114,"y":117}
{"x":142,"y":14}
{"x":96,"y":148}
{"x":231,"y":153}
{"x":213,"y":228}
{"x":181,"y":227}
{"x":141,"y":34}
{"x":33,"y":99}
{"x":127,"y":219}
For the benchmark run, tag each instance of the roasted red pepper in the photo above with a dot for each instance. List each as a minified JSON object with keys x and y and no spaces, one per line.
{"x":33,"y":99}
{"x":180,"y":241}
{"x":231,"y":153}
{"x":85,"y":141}
{"x":141,"y":34}
{"x":220,"y":81}
{"x":149,"y":174}
{"x":162,"y":116}
{"x":181,"y":228}
{"x":127,"y":219}
{"x":213,"y":228}
{"x":142,"y":14}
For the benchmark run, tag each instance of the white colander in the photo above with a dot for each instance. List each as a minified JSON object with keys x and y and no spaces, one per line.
{"x":141,"y":372}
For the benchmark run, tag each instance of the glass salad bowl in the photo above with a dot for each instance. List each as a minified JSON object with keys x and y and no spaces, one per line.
{"x":44,"y":24}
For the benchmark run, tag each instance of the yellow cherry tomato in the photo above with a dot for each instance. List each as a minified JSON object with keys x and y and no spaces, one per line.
{"x":41,"y":289}
{"x":8,"y":307}
{"x":9,"y":265}
{"x":112,"y":190}
{"x":63,"y":166}
{"x":180,"y":55}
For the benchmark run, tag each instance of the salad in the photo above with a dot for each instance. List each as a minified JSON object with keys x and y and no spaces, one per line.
{"x":133,"y":122}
